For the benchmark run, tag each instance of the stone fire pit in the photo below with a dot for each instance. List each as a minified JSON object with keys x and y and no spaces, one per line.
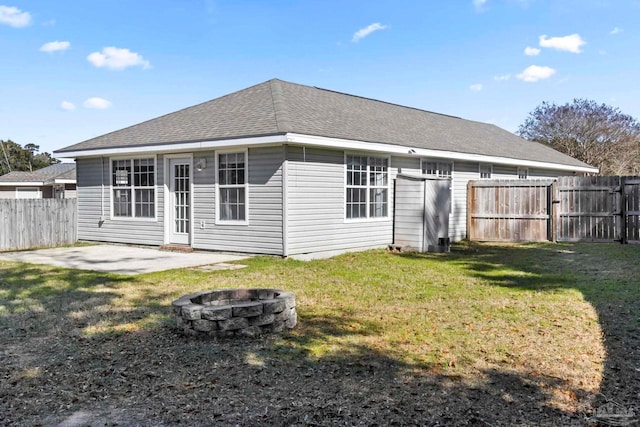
{"x":235,"y":312}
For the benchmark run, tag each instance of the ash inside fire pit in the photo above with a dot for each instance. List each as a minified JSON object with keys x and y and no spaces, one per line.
{"x":235,"y":312}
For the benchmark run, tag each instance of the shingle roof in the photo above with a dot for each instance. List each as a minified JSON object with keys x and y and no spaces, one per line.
{"x":47,"y":174}
{"x":277,"y":107}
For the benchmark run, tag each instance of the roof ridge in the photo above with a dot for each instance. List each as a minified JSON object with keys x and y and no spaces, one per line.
{"x":283,"y":124}
{"x":385,"y":102}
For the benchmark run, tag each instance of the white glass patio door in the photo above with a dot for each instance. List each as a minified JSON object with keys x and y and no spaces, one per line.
{"x":180,"y":199}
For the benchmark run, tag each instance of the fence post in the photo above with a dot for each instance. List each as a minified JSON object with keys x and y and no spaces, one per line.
{"x":470,"y":205}
{"x":623,"y":211}
{"x":553,"y":214}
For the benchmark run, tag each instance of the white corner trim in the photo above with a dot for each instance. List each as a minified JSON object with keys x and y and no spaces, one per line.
{"x":285,"y":204}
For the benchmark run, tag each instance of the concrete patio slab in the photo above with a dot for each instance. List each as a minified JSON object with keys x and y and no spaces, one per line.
{"x":119,"y":258}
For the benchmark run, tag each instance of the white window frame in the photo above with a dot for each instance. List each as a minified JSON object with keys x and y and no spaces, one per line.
{"x":368,"y":187}
{"x":133,"y":188}
{"x":438,"y":168}
{"x":523,"y":173}
{"x":485,"y":165}
{"x":218,"y":186}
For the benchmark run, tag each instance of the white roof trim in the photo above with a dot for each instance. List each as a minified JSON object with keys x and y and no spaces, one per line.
{"x":320,"y":141}
{"x":172,"y":148}
{"x":64,"y":181}
{"x":423,"y":152}
{"x":21,"y":183}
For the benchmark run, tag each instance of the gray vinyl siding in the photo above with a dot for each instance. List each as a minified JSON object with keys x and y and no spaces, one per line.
{"x":264,"y":231}
{"x":504,"y":172}
{"x":91,"y":175}
{"x":546,"y":173}
{"x":316,"y":199}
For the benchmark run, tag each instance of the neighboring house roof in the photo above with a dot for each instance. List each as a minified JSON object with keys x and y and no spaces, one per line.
{"x":57,"y":173}
{"x":277,"y":107}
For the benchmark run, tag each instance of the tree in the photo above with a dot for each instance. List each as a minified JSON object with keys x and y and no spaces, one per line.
{"x":597,"y":134}
{"x":13,"y":157}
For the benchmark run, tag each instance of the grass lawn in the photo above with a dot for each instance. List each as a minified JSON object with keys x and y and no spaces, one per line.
{"x":537,"y":334}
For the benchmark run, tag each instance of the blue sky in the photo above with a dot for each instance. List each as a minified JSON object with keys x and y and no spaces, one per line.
{"x":72,"y":70}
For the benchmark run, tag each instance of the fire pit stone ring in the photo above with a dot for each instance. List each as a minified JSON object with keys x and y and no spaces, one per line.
{"x":225,"y":313}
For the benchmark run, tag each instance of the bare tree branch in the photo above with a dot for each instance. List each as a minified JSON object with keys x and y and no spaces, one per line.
{"x":597,"y":134}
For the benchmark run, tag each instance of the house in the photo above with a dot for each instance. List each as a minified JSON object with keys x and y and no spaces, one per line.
{"x":57,"y":181}
{"x":286,"y":169}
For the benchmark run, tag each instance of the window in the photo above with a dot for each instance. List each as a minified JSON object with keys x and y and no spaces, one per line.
{"x":367,"y":187}
{"x":485,"y":171}
{"x":437,"y":169}
{"x":523,"y":173}
{"x":232,"y":187}
{"x":133,"y":188}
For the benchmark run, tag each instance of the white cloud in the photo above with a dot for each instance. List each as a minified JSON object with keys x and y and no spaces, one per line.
{"x":364,"y":32}
{"x":616,"y":30}
{"x":535,"y":73}
{"x":97,"y":103}
{"x":14,"y":17}
{"x":115,"y":58}
{"x":531,"y":51}
{"x":571,"y":43}
{"x":67,"y":106}
{"x":476,"y":87}
{"x":55,"y":46}
{"x":479,"y":4}
{"x":502,"y":78}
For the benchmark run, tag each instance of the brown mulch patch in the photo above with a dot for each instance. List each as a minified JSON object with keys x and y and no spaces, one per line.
{"x":161,"y":378}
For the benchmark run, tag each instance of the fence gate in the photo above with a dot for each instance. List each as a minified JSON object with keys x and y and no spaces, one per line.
{"x":589,"y":209}
{"x":509,"y":210}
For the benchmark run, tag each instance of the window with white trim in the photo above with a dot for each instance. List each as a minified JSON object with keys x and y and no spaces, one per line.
{"x":133,"y":188}
{"x":367,"y":187}
{"x":523,"y":173}
{"x":485,"y":170}
{"x":436,"y":169}
{"x":232,"y":186}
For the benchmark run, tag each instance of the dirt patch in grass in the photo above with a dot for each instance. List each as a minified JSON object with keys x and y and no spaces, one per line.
{"x":486,"y":335}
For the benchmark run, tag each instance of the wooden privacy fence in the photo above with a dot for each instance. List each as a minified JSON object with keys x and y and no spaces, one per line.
{"x":569,"y":209}
{"x":34,"y":223}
